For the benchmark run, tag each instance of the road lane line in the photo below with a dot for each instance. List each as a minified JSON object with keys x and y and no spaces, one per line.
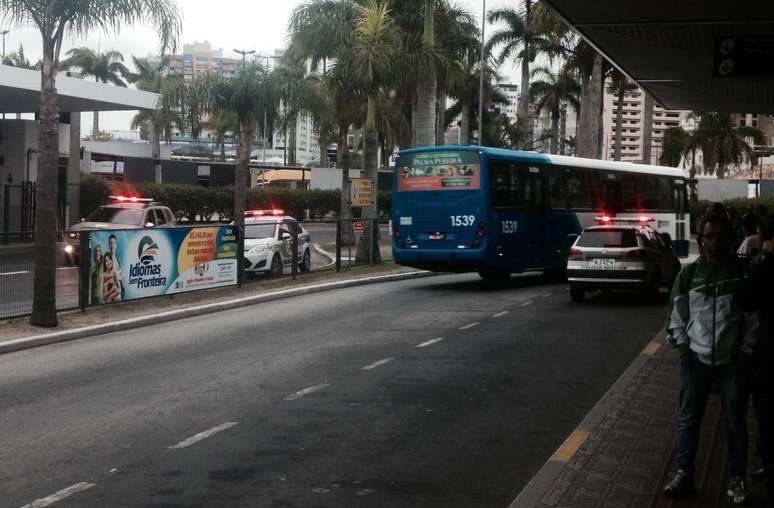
{"x":529,"y":302}
{"x":307,"y":391}
{"x":377,"y":363}
{"x":469,"y":326}
{"x":547,"y":295}
{"x":429,"y":342}
{"x":500,"y":314}
{"x":58,"y":496}
{"x":15,"y":273}
{"x":203,"y":435}
{"x":570,"y":446}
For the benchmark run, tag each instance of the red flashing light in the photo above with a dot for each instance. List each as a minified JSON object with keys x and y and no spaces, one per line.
{"x":260,"y":213}
{"x":606,"y":219}
{"x":131,"y":199}
{"x":643,"y":218}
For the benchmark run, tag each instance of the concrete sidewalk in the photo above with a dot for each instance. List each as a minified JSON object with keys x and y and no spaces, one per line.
{"x":623,"y":451}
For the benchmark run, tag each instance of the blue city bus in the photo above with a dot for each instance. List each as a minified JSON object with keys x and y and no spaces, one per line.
{"x":497,"y":212}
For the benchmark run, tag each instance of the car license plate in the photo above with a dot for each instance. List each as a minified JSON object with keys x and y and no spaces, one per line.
{"x":603,"y":264}
{"x":436,"y":236}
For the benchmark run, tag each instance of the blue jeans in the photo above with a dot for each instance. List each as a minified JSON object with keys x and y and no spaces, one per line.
{"x":696,"y":380}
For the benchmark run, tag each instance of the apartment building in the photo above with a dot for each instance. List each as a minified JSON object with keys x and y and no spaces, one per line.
{"x":199,"y":57}
{"x":510,"y":107}
{"x":763,"y":122}
{"x":632,"y":128}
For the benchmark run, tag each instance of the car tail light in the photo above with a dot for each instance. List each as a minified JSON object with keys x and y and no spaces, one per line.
{"x":576,"y":253}
{"x":635,"y":254}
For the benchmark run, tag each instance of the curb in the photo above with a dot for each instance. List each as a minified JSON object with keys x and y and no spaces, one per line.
{"x":534,"y":491}
{"x":128,"y":324}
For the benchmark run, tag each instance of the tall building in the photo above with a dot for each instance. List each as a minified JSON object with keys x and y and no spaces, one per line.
{"x":568,"y":127}
{"x":199,"y":57}
{"x":511,"y":92}
{"x":763,"y":122}
{"x":632,"y":130}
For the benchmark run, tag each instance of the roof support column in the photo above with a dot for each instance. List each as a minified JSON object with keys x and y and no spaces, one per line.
{"x":74,"y":169}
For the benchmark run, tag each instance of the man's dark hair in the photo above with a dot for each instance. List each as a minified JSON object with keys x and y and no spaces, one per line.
{"x":716,"y":218}
{"x":749,"y":223}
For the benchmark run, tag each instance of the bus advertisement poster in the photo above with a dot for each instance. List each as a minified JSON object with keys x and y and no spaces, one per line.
{"x":439,"y":170}
{"x":138,"y":263}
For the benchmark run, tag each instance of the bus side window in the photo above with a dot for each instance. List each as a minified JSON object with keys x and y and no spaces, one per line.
{"x":556,"y":190}
{"x":506,"y":185}
{"x":631,"y":202}
{"x":578,"y":182}
{"x":665,"y":196}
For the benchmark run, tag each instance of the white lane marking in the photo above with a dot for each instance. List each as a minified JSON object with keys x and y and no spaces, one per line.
{"x":500,"y":314}
{"x":429,"y":342}
{"x":14,"y":273}
{"x":469,"y":326}
{"x":547,"y":295}
{"x":58,"y":496}
{"x":22,"y":272}
{"x":526,"y":303}
{"x":203,"y":435}
{"x":307,"y":391}
{"x":377,"y":363}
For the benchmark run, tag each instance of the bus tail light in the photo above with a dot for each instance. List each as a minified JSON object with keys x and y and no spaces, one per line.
{"x":480,"y":234}
{"x":396,"y":234}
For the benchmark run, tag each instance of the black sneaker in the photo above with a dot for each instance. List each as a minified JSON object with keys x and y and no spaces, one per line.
{"x":681,"y":485}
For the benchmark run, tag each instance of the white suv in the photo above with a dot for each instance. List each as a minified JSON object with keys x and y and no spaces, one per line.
{"x":269,"y":243}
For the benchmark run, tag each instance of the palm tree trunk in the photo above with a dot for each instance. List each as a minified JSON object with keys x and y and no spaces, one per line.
{"x":414,"y":120}
{"x":523,"y":112}
{"x":555,"y":131}
{"x":467,"y":109}
{"x":322,"y":142}
{"x":240,"y":175}
{"x":371,"y":155}
{"x":345,"y":215}
{"x":292,"y":142}
{"x":647,"y":130}
{"x":155,"y":141}
{"x":44,"y":279}
{"x":619,"y":124}
{"x":427,"y":86}
{"x":95,"y":127}
{"x":440,"y":111}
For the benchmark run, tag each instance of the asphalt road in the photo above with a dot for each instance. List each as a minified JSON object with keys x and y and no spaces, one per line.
{"x":345,"y":398}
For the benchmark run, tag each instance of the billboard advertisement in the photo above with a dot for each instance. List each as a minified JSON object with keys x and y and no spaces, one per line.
{"x":131,"y":264}
{"x":439,"y":171}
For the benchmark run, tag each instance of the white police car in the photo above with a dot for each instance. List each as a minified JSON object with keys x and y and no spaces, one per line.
{"x":269,"y":243}
{"x":621,"y":253}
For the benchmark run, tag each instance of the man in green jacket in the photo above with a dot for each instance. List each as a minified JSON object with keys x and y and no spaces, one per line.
{"x":716,"y":341}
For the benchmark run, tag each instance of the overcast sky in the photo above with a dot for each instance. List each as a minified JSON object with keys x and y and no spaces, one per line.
{"x":259,"y":25}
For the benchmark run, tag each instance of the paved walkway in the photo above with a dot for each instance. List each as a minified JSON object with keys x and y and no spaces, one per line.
{"x":622,"y":452}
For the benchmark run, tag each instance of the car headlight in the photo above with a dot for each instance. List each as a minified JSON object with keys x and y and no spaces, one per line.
{"x":73,"y":235}
{"x":69,"y":249}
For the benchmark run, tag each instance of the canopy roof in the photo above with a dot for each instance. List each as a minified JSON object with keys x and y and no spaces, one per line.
{"x":704,"y":55}
{"x":20,"y":93}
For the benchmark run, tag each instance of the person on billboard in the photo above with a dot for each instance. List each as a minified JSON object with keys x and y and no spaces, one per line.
{"x":111,"y":284}
{"x":113,"y":244}
{"x":95,"y":275}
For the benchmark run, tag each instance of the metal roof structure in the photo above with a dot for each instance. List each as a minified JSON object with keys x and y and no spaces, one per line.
{"x":704,"y":55}
{"x":20,"y":93}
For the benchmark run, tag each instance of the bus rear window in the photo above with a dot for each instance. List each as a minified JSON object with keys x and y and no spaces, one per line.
{"x":439,"y":171}
{"x":608,"y":238}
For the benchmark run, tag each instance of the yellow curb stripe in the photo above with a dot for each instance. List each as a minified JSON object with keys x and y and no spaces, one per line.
{"x":570,"y":446}
{"x":651,"y":349}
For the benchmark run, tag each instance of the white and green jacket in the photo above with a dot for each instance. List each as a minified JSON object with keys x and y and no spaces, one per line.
{"x":704,"y":318}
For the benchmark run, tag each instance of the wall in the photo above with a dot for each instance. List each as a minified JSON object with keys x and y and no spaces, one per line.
{"x":124,"y":148}
{"x":719,"y":190}
{"x":329,"y":178}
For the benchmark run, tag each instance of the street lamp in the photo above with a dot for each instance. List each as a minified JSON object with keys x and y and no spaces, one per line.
{"x":4,"y":33}
{"x":481,"y":79}
{"x":244,"y":54}
{"x":265,"y":107}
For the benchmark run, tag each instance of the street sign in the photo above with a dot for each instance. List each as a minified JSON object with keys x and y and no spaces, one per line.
{"x":743,"y":57}
{"x":359,"y":228}
{"x":362,"y":191}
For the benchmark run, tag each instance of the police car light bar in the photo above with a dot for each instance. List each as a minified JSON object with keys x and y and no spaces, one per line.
{"x":130,"y":199}
{"x":606,"y":219}
{"x":259,"y":213}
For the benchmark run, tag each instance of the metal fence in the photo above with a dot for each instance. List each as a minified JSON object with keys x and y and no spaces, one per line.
{"x":16,"y":282}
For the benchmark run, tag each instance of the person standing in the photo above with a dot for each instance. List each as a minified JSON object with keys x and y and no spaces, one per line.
{"x":757,"y":294}
{"x":716,"y":340}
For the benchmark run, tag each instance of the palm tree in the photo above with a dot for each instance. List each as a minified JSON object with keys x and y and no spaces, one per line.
{"x":674,"y":145}
{"x":551,"y":92}
{"x":19,"y":59}
{"x":619,"y":86}
{"x":153,"y":77}
{"x":54,"y":19}
{"x":588,"y":63}
{"x":723,"y":143}
{"x":515,"y":41}
{"x":376,"y":40}
{"x":107,"y":67}
{"x":428,"y":83}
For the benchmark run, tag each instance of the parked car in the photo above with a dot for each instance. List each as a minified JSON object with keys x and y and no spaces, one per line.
{"x":269,"y":243}
{"x":621,"y":253}
{"x":123,"y":212}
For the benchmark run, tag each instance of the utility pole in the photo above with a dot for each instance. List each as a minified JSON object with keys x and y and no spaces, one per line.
{"x":244,"y":54}
{"x":265,"y":107}
{"x":4,"y":33}
{"x":481,"y":79}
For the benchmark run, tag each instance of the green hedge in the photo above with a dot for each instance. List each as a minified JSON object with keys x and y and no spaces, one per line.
{"x":742,"y":206}
{"x":195,"y":203}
